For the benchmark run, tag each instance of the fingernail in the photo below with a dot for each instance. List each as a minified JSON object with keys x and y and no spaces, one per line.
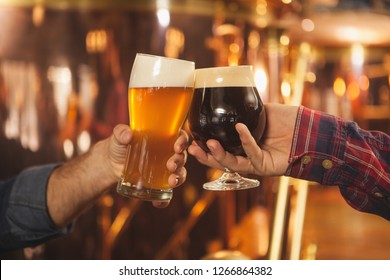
{"x":125,"y":136}
{"x":181,"y":148}
{"x":160,"y":204}
{"x":176,"y":180}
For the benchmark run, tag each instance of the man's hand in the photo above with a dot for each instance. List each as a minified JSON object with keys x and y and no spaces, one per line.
{"x":269,"y":158}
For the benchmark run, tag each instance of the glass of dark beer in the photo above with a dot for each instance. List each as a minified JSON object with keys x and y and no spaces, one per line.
{"x":223,"y":97}
{"x":160,"y":94}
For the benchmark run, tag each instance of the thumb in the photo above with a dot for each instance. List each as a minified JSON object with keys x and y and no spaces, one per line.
{"x":119,"y":141}
{"x":249,"y":144}
{"x":247,"y":140}
{"x":122,"y":134}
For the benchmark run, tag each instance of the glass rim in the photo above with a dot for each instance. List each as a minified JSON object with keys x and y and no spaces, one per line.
{"x":225,"y":76}
{"x":163,"y":57}
{"x":222,"y":68}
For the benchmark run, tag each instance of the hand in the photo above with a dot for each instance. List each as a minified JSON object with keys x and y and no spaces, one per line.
{"x":270,"y":158}
{"x":77,"y":184}
{"x":119,"y":141}
{"x":175,"y":165}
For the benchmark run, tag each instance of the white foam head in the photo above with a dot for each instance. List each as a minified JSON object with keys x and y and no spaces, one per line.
{"x":227,"y":76}
{"x":157,"y":71}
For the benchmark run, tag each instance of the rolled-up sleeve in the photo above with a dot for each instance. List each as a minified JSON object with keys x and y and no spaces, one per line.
{"x":25,"y":220}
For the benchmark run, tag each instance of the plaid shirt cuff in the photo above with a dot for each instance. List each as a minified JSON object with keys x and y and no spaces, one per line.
{"x":318,"y":147}
{"x":332,"y":151}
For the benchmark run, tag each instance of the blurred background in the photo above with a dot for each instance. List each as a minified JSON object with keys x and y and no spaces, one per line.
{"x":64,"y":70}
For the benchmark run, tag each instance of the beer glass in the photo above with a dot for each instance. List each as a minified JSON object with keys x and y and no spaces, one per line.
{"x":223,"y":97}
{"x":159,"y":97}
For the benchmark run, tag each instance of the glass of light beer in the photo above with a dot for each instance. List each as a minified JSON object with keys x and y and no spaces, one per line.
{"x":159,"y":97}
{"x":223,"y":97}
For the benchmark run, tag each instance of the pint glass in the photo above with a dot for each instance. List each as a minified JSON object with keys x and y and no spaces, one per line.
{"x":159,"y":96}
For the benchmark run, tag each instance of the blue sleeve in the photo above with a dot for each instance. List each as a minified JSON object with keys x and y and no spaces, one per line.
{"x":24,"y":217}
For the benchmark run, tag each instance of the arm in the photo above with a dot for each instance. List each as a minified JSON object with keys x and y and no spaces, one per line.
{"x":42,"y":201}
{"x":78,"y":183}
{"x":310,"y":145}
{"x":332,"y":151}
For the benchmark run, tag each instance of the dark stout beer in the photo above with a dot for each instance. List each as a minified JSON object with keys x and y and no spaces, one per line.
{"x":215,"y":111}
{"x":223,"y":97}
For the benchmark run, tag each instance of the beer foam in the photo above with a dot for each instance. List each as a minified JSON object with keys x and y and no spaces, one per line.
{"x":157,"y":71}
{"x":228,"y":76}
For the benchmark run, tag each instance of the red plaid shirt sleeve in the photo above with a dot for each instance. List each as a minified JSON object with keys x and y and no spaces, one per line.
{"x":333,"y":151}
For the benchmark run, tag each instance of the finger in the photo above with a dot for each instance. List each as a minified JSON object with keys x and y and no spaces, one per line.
{"x":181,"y":142}
{"x":203,"y":157}
{"x":122,"y":134}
{"x":117,"y":148}
{"x":251,"y":148}
{"x":176,"y":161}
{"x":196,"y":151}
{"x":160,"y":204}
{"x":177,"y":178}
{"x":118,"y":143}
{"x":223,"y":157}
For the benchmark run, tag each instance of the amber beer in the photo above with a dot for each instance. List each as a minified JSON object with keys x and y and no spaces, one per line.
{"x":159,"y":96}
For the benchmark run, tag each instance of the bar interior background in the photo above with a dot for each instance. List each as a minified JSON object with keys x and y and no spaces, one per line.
{"x":64,"y":70}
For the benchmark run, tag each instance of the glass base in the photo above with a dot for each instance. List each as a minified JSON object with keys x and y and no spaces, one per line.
{"x":147,"y":194}
{"x":231,"y":181}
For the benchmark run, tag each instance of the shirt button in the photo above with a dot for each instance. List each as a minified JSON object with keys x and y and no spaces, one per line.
{"x":306,"y":160}
{"x":378,"y":195}
{"x":327,"y":164}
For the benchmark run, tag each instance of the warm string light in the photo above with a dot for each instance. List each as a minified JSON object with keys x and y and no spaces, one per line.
{"x":163,"y":15}
{"x":261,"y":81}
{"x":96,"y":41}
{"x":307,"y":25}
{"x":339,"y":86}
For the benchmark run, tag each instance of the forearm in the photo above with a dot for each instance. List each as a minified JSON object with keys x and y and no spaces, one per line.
{"x":74,"y":186}
{"x":332,"y":151}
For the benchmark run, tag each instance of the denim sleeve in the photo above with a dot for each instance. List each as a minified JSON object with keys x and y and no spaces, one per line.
{"x":24,"y":219}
